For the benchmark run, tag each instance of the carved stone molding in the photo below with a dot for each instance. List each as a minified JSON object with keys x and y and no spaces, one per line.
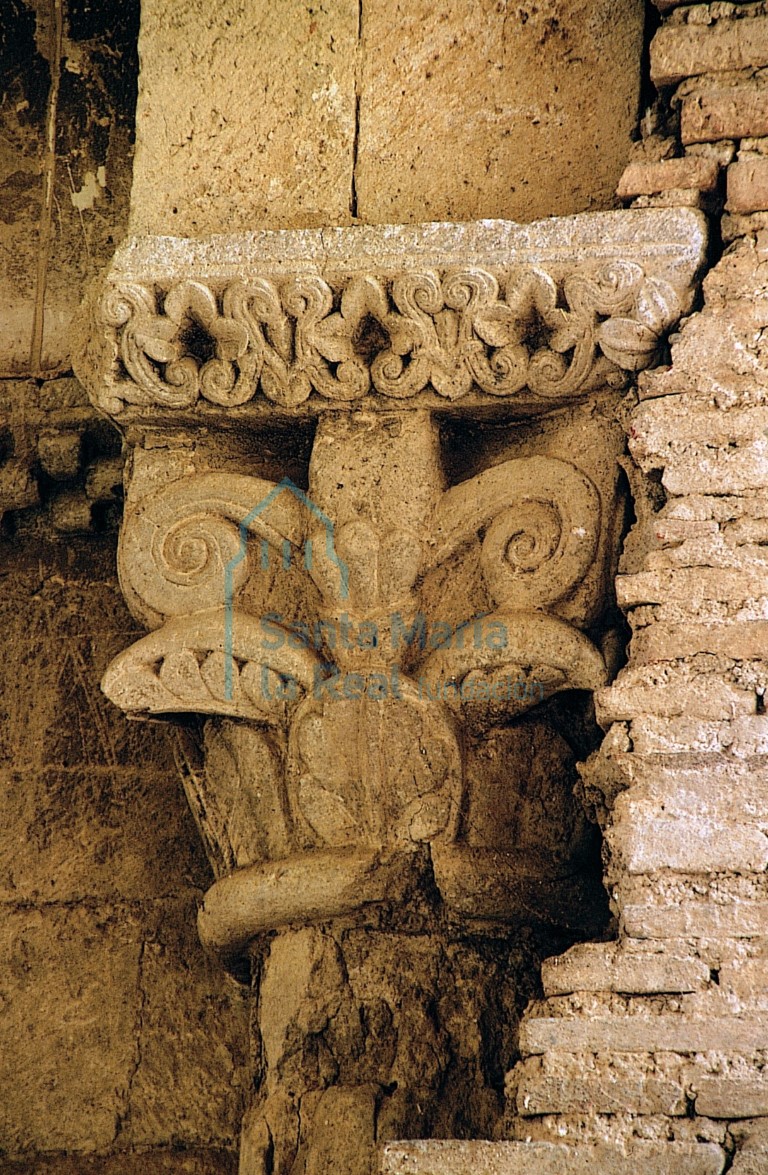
{"x":376,"y":633}
{"x":386,"y":324}
{"x":537,"y":315}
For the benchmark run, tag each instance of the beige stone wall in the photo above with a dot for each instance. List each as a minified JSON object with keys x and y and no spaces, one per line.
{"x":108,"y":1006}
{"x":295,"y":114}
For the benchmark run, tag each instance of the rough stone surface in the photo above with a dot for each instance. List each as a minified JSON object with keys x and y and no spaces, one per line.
{"x":108,"y":1002}
{"x":510,"y":1158}
{"x":141,"y":1162}
{"x":748,"y":184}
{"x":62,"y":211}
{"x":248,"y":113}
{"x":77,"y":1027}
{"x":480,"y":109}
{"x":380,"y":112}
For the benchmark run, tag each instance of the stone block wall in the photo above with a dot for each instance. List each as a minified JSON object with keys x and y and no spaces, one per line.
{"x":122,"y":1048}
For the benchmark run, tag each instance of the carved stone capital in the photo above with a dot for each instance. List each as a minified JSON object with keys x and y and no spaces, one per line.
{"x":421,"y":315}
{"x":354,"y":637}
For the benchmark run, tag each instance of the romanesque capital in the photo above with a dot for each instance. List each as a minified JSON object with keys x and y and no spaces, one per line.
{"x":352,"y":613}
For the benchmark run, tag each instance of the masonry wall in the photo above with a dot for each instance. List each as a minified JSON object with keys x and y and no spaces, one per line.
{"x":116,"y":1034}
{"x":662,"y":1036}
{"x":122,"y":1048}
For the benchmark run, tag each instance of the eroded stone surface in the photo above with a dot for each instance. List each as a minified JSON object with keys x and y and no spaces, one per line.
{"x":478,"y":110}
{"x":510,"y":1158}
{"x":62,"y":215}
{"x":75,"y":1026}
{"x":249,"y":115}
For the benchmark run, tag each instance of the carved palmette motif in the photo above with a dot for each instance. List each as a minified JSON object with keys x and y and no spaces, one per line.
{"x":450,"y":332}
{"x":185,"y":554}
{"x":359,"y":770}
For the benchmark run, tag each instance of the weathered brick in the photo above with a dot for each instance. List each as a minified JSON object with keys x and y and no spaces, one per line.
{"x":733,"y":113}
{"x":702,"y":583}
{"x":642,"y":691}
{"x":699,"y":785}
{"x":736,"y":225}
{"x":748,"y":185}
{"x":731,"y":1097}
{"x":745,"y":977}
{"x":659,"y":427}
{"x":687,"y":50}
{"x":561,"y":1083}
{"x":654,"y":735}
{"x":749,"y":1163}
{"x":550,"y":1158}
{"x":647,"y":841}
{"x":641,"y":179}
{"x":696,"y":920}
{"x":605,"y":967}
{"x":672,"y":198}
{"x":720,"y":152}
{"x":750,"y":735}
{"x":669,"y":642}
{"x":661,"y":1033}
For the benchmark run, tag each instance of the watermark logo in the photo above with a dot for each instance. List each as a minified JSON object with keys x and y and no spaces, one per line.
{"x":411,"y":632}
{"x":284,"y":486}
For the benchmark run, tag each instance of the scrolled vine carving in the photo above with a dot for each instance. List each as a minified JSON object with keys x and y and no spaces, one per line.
{"x":448,"y":332}
{"x":176,"y":545}
{"x":541,"y":518}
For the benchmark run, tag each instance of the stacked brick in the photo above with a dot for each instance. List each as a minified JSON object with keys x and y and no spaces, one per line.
{"x":710,"y":63}
{"x":663,"y":1035}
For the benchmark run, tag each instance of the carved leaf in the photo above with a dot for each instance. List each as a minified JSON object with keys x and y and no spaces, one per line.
{"x":498,"y":326}
{"x":191,"y":298}
{"x":156,"y":337}
{"x":658,"y":305}
{"x":231,"y":338}
{"x":332,"y":338}
{"x":629,"y":344}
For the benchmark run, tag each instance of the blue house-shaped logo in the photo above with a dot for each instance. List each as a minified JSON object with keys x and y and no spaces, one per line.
{"x":285,"y":485}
